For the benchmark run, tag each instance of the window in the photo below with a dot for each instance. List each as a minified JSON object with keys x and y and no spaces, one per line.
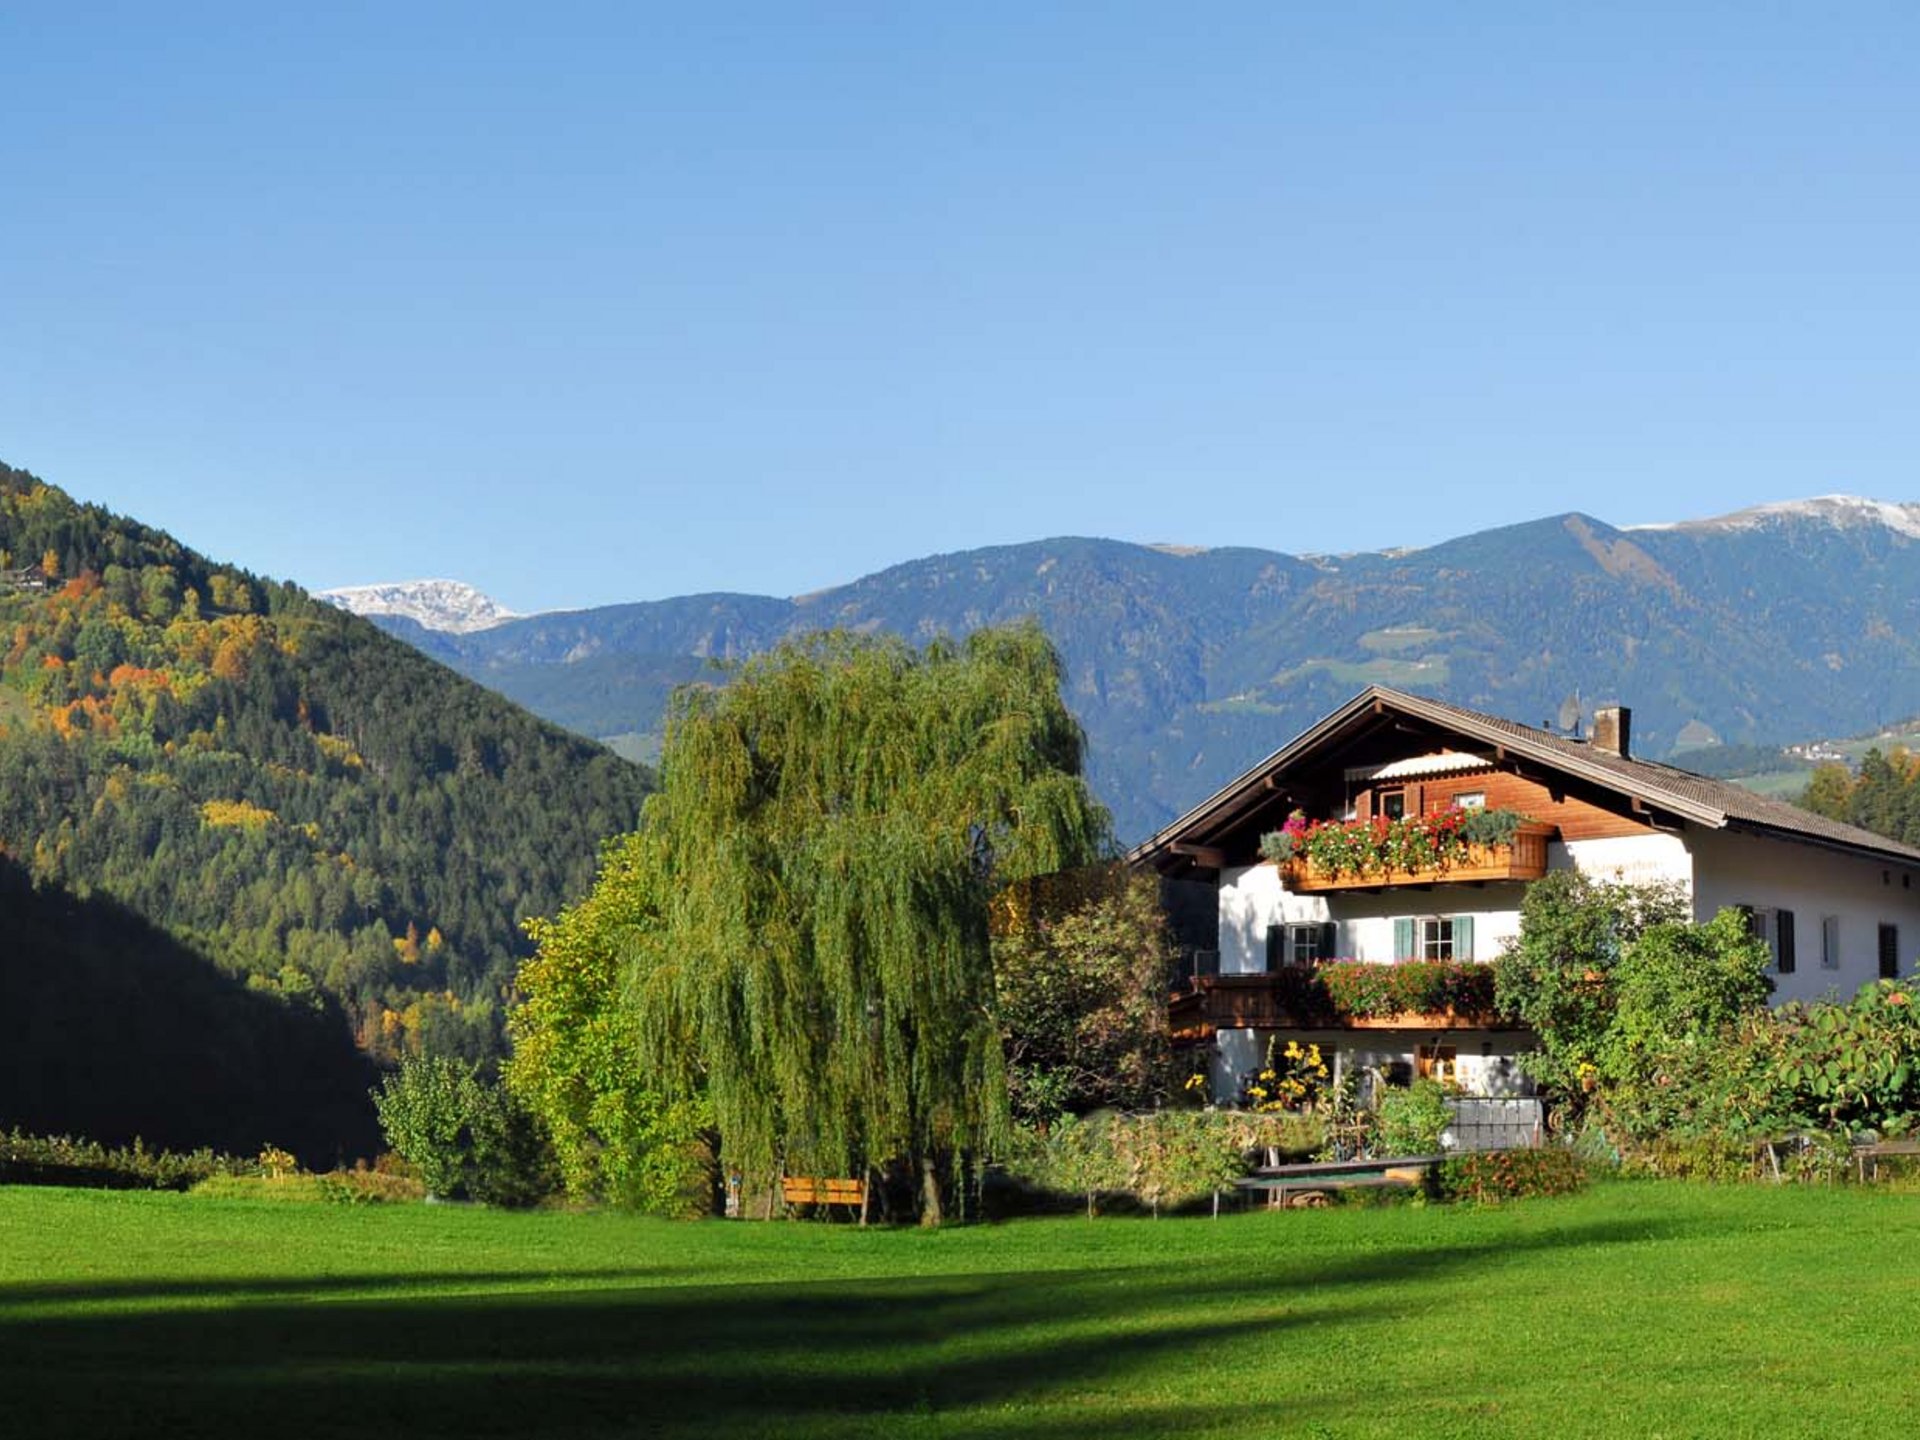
{"x":1433,"y":937}
{"x":1298,"y":944}
{"x":1889,"y":952}
{"x":1393,"y":804}
{"x":1307,"y":944}
{"x":1830,"y":942}
{"x":1776,"y":928}
{"x":1437,"y":1062}
{"x":1471,"y":800}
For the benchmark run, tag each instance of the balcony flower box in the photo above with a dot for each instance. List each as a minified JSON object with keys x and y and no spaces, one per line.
{"x":1449,"y":847}
{"x":1351,"y":994}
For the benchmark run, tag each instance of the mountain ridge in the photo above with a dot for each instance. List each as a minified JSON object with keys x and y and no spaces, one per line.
{"x":452,"y":606}
{"x":1186,"y":665}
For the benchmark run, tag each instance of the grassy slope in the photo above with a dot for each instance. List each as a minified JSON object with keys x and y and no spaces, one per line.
{"x":1635,"y":1310}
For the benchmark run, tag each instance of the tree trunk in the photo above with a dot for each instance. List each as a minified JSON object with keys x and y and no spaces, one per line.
{"x":930,"y":1211}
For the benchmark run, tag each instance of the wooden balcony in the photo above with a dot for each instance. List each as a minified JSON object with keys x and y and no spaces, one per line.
{"x":1523,"y":859}
{"x":1234,"y":1002}
{"x":1294,"y":998}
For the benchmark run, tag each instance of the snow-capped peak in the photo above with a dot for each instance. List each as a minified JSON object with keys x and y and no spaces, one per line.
{"x":1839,"y":511}
{"x":451,"y":606}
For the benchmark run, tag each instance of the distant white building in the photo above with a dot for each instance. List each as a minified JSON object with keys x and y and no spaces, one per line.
{"x":1837,"y":905}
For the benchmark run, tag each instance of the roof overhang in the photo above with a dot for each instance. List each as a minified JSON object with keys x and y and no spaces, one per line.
{"x":1471,"y":736}
{"x":1655,"y":794}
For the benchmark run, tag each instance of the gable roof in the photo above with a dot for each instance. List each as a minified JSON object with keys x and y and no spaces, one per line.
{"x":1714,"y":804}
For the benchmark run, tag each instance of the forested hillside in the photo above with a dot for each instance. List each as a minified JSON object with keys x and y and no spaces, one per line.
{"x":1883,"y":796}
{"x":288,"y":794}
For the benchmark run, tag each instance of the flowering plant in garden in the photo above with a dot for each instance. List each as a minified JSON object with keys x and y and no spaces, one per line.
{"x":1291,"y":1079}
{"x":1487,"y":1177}
{"x":1333,"y":990}
{"x":1413,"y":842}
{"x":1279,"y":844}
{"x":1427,"y":987}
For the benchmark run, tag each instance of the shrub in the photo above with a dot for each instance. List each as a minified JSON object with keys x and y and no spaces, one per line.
{"x":1765,"y":1074}
{"x":1856,"y":1064}
{"x":1081,"y":995}
{"x":1409,"y":1121}
{"x":1713,"y":1156}
{"x":1557,"y":975}
{"x":59,"y":1160}
{"x":1165,"y":1158}
{"x":1679,"y":989}
{"x":1489,"y":1176}
{"x":358,"y":1186}
{"x":467,"y":1139}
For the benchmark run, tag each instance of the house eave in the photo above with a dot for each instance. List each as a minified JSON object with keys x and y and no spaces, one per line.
{"x":1226,"y":803}
{"x":1890,"y":854}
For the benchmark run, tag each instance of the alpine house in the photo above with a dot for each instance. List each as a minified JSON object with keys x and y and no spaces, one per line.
{"x":1402,"y":832}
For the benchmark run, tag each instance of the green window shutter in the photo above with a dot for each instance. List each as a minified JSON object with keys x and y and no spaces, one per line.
{"x":1463,"y":937}
{"x":1276,"y":946}
{"x":1329,"y":937}
{"x":1403,"y":938}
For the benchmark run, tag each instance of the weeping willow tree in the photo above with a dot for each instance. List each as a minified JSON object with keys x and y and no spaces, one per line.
{"x":829,"y":830}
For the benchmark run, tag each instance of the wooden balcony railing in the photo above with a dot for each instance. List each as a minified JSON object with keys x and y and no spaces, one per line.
{"x":1525,"y":858}
{"x":1346,"y":995}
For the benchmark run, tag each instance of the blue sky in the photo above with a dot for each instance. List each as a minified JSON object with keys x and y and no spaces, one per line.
{"x":597,"y":303}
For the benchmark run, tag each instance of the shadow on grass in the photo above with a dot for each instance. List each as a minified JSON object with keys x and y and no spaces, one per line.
{"x":251,"y":1288}
{"x":1029,"y":1353}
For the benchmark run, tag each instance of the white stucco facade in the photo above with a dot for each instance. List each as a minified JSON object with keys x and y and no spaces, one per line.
{"x":1839,"y":903}
{"x":1832,"y":897}
{"x":1653,"y":859}
{"x":1251,"y":899}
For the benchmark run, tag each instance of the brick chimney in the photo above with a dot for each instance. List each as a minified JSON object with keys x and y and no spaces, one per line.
{"x":1613,"y":731}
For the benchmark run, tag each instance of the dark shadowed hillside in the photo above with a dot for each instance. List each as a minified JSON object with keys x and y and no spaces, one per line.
{"x":113,"y":1029}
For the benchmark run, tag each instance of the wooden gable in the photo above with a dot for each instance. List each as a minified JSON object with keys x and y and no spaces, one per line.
{"x":1574,"y":817}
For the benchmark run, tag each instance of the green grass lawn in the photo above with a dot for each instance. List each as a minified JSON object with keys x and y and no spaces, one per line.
{"x":1634,"y":1310}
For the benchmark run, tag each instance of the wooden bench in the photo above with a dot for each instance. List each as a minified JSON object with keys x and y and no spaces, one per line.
{"x":1292,"y":1186}
{"x":1867,"y":1158}
{"x":818,"y":1190}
